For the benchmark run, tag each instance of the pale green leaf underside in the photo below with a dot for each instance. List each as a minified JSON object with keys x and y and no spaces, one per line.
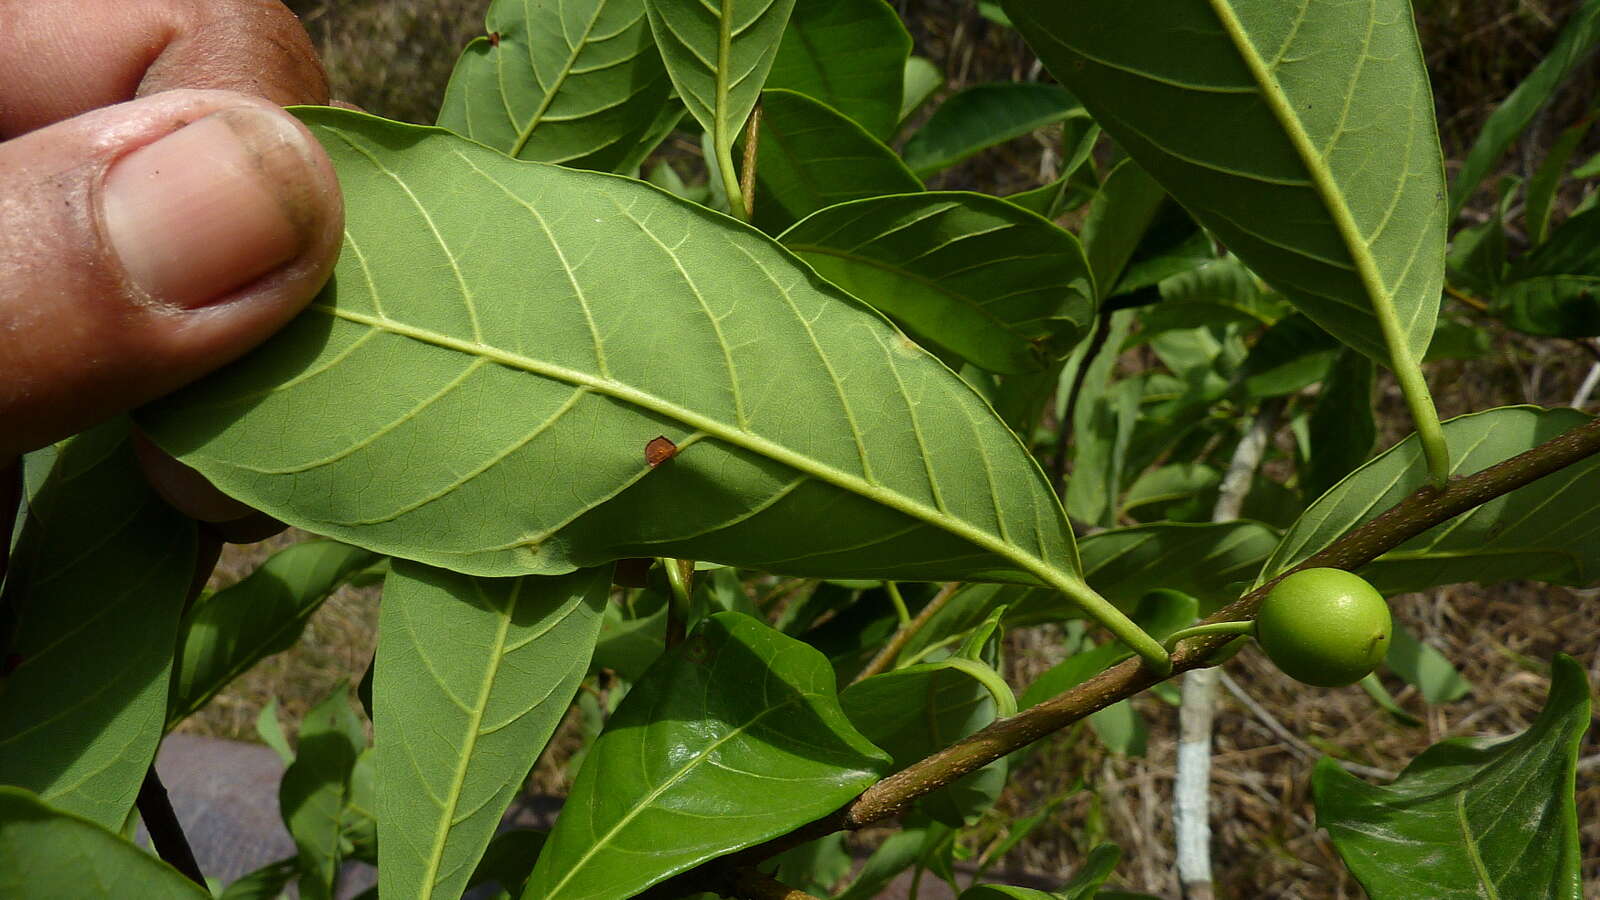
{"x":718,"y":53}
{"x":501,"y":340}
{"x":472,"y":676}
{"x":1510,"y":537}
{"x":577,"y":82}
{"x":1468,"y":818}
{"x":733,"y":737}
{"x":46,"y":854}
{"x":1303,"y":135}
{"x":970,"y":274}
{"x":93,"y":598}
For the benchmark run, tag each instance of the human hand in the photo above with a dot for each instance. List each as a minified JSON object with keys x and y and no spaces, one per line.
{"x":159,"y":214}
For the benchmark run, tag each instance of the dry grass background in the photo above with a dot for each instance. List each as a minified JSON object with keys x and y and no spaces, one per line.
{"x":393,"y":58}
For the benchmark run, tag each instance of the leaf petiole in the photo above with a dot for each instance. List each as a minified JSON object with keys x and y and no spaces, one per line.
{"x":1244,"y":627}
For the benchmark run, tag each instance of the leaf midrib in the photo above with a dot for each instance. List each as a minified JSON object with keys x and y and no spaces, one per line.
{"x":670,"y":782}
{"x":1050,"y":575}
{"x":495,"y":657}
{"x":1323,"y":182}
{"x":578,"y":46}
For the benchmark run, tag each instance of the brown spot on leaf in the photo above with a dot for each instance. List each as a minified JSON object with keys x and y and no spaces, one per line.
{"x":494,"y":38}
{"x":659,"y":450}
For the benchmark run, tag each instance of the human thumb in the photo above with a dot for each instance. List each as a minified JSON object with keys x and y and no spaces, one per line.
{"x":145,"y":244}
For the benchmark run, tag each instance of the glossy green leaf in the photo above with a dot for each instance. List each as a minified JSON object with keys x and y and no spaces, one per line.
{"x":733,"y":737}
{"x":47,"y":854}
{"x":1294,"y":353}
{"x":1120,"y":729}
{"x":1555,"y":290}
{"x":1510,"y":537}
{"x":1477,"y":257}
{"x":1342,"y":428}
{"x":848,"y":54}
{"x":316,"y":788}
{"x":1380,"y":695}
{"x":815,"y":867}
{"x":472,"y":677}
{"x":1580,"y":35}
{"x":1305,"y":142}
{"x":1554,"y":305}
{"x":631,"y":640}
{"x":966,"y":273}
{"x":226,"y":633}
{"x":1202,"y":559}
{"x":1420,"y":664}
{"x":1083,"y":885}
{"x":1547,"y":179}
{"x":1459,"y":340}
{"x":270,"y":729}
{"x":1119,"y":215}
{"x":668,"y":117}
{"x":810,"y":157}
{"x":915,"y":711}
{"x":922,"y":79}
{"x":1470,"y":818}
{"x":1226,"y":290}
{"x":896,"y":854}
{"x":1185,"y":485}
{"x":509,"y":859}
{"x":1101,"y":425}
{"x":1079,"y":133}
{"x":265,"y":883}
{"x":812,"y":438}
{"x":92,"y":602}
{"x":981,"y":117}
{"x":578,"y":82}
{"x":718,"y":57}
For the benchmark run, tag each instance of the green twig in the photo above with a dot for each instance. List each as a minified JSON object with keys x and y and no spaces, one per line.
{"x":680,"y":573}
{"x":900,"y":611}
{"x":1209,"y":628}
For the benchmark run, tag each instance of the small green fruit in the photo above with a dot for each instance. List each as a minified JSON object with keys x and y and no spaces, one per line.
{"x":1324,"y":627}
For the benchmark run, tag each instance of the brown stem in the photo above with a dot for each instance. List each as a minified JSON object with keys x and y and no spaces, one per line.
{"x":906,"y":632}
{"x":1058,"y":469}
{"x":747,"y":173}
{"x":752,"y":885}
{"x":166,"y":835}
{"x":1466,"y":298}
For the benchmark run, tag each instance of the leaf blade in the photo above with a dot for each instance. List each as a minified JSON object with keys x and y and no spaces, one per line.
{"x":538,"y":89}
{"x":457,"y":732}
{"x":724,"y":394}
{"x":773,"y":726}
{"x":97,"y":585}
{"x":1002,"y":287}
{"x":1460,"y":820}
{"x":1360,"y":252}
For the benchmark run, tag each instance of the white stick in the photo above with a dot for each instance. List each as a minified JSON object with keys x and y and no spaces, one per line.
{"x":1581,"y":398}
{"x":1191,"y":792}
